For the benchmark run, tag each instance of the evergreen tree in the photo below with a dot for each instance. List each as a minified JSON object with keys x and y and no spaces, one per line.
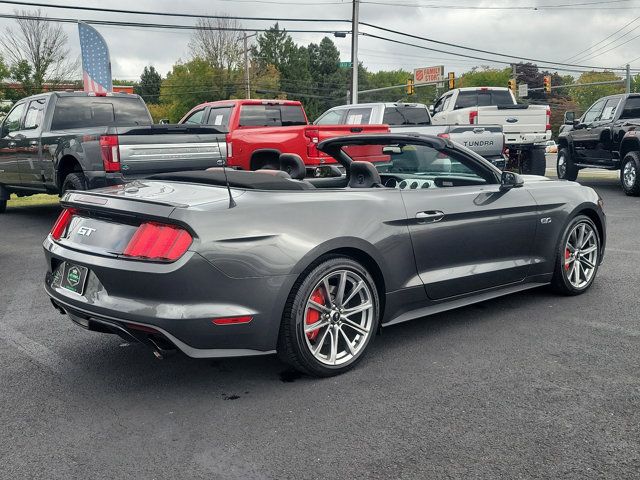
{"x":149,"y":86}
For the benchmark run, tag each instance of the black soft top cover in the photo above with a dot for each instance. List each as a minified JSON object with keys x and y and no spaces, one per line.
{"x":237,"y":179}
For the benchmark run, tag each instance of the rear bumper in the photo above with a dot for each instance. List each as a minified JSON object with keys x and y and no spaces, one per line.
{"x":177,"y":302}
{"x":525,"y":140}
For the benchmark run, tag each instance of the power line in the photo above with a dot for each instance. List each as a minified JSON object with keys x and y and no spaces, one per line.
{"x":171,"y":14}
{"x":449,"y":44}
{"x":604,"y":39}
{"x":585,"y":5}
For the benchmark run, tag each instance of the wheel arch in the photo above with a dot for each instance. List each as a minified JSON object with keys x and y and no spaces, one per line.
{"x":590,"y":212}
{"x":67,"y":164}
{"x":628,"y":144}
{"x":263,"y":157}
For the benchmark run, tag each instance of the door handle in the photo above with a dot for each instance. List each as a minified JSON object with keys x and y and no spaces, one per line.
{"x":33,"y":143}
{"x":430,"y":216}
{"x":11,"y":144}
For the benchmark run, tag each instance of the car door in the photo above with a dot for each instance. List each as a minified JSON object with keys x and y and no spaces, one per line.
{"x":603,"y":130}
{"x":9,"y":172}
{"x":467,"y":235}
{"x":585,"y":137}
{"x":28,"y":144}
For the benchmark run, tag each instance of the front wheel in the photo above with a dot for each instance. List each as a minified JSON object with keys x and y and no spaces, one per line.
{"x":630,"y":174}
{"x":330,"y":318}
{"x":577,"y":257}
{"x":565,"y":168}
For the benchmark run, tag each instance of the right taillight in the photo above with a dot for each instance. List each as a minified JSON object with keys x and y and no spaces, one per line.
{"x":313,"y":138}
{"x":153,"y":241}
{"x":229,"y":146}
{"x":473,"y":117}
{"x":62,"y":223}
{"x":110,"y":151}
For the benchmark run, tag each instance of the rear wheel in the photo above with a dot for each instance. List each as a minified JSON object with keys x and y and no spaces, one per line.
{"x":565,"y":167}
{"x":3,"y":206}
{"x":630,"y":174}
{"x":577,"y":258}
{"x":330,"y":318}
{"x":74,"y":181}
{"x":537,"y":162}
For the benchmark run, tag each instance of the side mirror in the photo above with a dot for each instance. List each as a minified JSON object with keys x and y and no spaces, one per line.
{"x":569,"y":118}
{"x":510,"y":180}
{"x":164,"y":121}
{"x":431,"y":109}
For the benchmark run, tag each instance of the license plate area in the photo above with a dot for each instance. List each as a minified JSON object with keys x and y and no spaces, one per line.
{"x":74,"y":277}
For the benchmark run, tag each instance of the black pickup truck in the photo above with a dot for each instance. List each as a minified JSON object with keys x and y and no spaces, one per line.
{"x":607,"y":137}
{"x":59,"y":141}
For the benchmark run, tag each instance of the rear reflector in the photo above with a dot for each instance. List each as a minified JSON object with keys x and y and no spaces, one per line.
{"x":232,"y":320}
{"x":62,"y":223}
{"x":110,"y":151}
{"x":153,"y":241}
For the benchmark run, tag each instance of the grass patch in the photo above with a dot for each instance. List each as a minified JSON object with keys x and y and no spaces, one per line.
{"x":32,"y":200}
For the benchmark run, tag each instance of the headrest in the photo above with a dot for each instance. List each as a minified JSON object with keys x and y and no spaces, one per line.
{"x":293,"y":165}
{"x":363,"y":175}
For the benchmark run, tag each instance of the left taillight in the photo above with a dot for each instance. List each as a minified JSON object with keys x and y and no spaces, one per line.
{"x":110,"y":151}
{"x":154,"y":241}
{"x":62,"y":223}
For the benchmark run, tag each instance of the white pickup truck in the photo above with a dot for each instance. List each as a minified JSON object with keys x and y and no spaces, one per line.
{"x":485,"y":140}
{"x":526,"y":127}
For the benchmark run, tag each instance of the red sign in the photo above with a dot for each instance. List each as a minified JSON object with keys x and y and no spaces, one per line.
{"x":429,"y":74}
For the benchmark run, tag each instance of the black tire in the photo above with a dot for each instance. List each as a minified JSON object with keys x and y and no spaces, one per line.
{"x":294,"y":345}
{"x":537,"y":162}
{"x":3,"y":206}
{"x":560,"y":282}
{"x":74,"y":181}
{"x":565,"y":168}
{"x":630,"y":174}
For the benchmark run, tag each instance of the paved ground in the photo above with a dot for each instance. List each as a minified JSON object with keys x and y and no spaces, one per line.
{"x":528,"y":386}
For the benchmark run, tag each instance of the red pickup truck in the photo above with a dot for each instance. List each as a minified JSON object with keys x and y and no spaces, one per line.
{"x":258,"y":131}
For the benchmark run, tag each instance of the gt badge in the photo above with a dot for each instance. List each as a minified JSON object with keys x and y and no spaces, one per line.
{"x":86,"y":231}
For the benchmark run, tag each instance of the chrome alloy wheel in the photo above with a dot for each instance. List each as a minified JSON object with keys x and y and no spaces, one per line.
{"x":581,"y":255}
{"x":562,"y":166}
{"x":338,"y":317}
{"x":629,"y":174}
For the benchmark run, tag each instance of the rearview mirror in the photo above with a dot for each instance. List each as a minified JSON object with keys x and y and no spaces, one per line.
{"x":391,"y":150}
{"x":510,"y":180}
{"x":431,"y":109}
{"x":569,"y":118}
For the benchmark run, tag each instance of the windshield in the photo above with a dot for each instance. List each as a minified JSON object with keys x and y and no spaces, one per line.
{"x":483,"y":98}
{"x":86,"y":112}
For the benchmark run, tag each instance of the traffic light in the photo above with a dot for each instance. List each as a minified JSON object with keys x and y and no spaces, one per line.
{"x":411,"y":89}
{"x":512,"y":85}
{"x":452,"y":80}
{"x":547,"y":83}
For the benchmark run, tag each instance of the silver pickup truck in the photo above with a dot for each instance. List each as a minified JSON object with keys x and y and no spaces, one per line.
{"x":486,"y":140}
{"x":59,"y":141}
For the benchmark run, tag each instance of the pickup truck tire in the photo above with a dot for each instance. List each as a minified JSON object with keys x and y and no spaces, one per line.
{"x":3,"y":206}
{"x":565,"y":167}
{"x":537,"y":162}
{"x":74,"y":181}
{"x":630,"y":174}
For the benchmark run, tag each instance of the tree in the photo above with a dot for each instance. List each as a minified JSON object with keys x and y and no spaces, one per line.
{"x":218,"y":43}
{"x":149,"y":86}
{"x":585,"y":96}
{"x":485,"y":77}
{"x":37,"y":51}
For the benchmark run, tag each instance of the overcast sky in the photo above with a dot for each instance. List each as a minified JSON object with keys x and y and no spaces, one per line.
{"x":545,"y":34}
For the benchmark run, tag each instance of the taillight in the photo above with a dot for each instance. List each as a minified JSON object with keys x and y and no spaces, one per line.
{"x":313,"y":136}
{"x":229,"y":146}
{"x":232,"y":320}
{"x":110,"y":153}
{"x":153,"y":241}
{"x":548,"y":118}
{"x":62,"y":223}
{"x":473,"y":117}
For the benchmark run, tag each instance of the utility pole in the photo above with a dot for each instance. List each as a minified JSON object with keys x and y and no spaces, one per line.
{"x":246,"y":65}
{"x":354,"y":51}
{"x":514,"y":75}
{"x":628,"y":80}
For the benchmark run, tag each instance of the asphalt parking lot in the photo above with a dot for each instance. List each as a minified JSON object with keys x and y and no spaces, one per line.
{"x":527,"y":386}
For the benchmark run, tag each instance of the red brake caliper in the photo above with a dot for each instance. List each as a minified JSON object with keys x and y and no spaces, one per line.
{"x":567,"y":256}
{"x":313,"y":315}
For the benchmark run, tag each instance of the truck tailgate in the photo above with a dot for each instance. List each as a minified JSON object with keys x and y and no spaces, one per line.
{"x":169,"y":148}
{"x":515,"y":118}
{"x":485,"y":140}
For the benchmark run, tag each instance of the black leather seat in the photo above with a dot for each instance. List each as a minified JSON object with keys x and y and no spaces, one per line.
{"x":363,"y":175}
{"x":293,"y":165}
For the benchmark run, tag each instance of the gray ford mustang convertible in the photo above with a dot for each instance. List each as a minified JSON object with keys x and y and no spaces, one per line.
{"x":227,"y":263}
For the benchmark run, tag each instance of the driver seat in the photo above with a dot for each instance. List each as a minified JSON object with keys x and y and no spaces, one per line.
{"x":363,"y":175}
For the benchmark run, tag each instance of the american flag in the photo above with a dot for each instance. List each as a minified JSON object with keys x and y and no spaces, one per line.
{"x":96,"y":65}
